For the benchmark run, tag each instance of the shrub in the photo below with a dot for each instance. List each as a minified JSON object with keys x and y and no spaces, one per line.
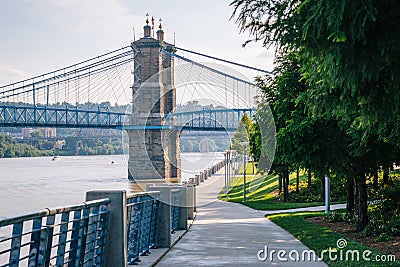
{"x":335,"y":216}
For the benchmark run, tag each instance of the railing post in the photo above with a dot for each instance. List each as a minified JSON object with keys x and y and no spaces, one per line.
{"x":183,"y":207}
{"x":194,"y":198}
{"x":115,"y":253}
{"x":191,"y":188}
{"x":164,"y":218}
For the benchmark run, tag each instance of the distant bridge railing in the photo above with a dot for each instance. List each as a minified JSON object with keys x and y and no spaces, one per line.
{"x":209,"y":119}
{"x":200,"y":120}
{"x":43,"y":116}
{"x":11,"y":116}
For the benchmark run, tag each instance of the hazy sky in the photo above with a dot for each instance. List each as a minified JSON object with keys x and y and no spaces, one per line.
{"x":38,"y":36}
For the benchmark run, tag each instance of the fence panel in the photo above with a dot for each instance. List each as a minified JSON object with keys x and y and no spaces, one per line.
{"x":56,"y":237}
{"x":141,"y":221}
{"x":175,"y":204}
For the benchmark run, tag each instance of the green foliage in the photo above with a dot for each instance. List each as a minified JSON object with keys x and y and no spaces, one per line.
{"x":255,"y":142}
{"x":242,"y":134}
{"x":320,"y":238}
{"x":335,"y":216}
{"x":349,"y":52}
{"x":9,"y":148}
{"x":35,"y":134}
{"x":313,"y":193}
{"x":382,"y":237}
{"x":336,"y":91}
{"x":384,"y":212}
{"x":306,"y":195}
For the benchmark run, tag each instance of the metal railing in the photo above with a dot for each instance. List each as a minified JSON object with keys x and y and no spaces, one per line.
{"x":175,"y":204}
{"x":68,"y":236}
{"x":112,"y":228}
{"x":141,"y":219}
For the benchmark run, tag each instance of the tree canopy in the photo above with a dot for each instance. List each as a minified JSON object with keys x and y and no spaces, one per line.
{"x":335,"y":91}
{"x":349,"y":50}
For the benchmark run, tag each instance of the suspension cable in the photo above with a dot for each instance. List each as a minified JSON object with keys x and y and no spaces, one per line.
{"x":224,"y":60}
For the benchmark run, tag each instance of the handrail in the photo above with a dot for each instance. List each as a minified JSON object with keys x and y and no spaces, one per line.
{"x":46,"y":212}
{"x":63,"y":236}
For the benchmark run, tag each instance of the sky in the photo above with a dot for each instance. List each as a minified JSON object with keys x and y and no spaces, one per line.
{"x":38,"y":36}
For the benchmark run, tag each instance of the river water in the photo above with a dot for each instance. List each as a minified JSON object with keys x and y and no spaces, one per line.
{"x":28,"y":184}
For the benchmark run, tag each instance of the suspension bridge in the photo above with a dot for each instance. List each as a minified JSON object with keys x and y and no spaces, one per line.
{"x":152,"y":93}
{"x":69,"y":97}
{"x":163,"y":94}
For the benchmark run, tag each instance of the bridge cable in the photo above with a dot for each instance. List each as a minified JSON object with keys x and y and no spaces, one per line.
{"x":63,"y":69}
{"x":206,"y":67}
{"x":224,"y":60}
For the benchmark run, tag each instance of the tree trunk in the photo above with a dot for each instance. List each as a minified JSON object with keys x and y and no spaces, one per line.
{"x":280,"y":184}
{"x":322,"y":188}
{"x":283,"y":181}
{"x":376,"y":186}
{"x":356,"y":196}
{"x":297,"y":179}
{"x":385,"y":179}
{"x":309,"y":178}
{"x":350,"y":196}
{"x":362,"y":203}
{"x":286,"y":184}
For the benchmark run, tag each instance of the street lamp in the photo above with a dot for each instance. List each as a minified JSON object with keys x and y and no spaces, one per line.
{"x":244,"y":144}
{"x":226,"y":156}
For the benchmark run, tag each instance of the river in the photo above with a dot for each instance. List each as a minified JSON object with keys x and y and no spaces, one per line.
{"x":28,"y":184}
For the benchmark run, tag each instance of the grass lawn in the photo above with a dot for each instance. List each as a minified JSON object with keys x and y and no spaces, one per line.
{"x":260,"y":191}
{"x":319,"y":238}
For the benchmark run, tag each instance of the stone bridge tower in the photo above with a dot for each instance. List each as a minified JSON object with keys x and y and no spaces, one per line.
{"x":154,"y":152}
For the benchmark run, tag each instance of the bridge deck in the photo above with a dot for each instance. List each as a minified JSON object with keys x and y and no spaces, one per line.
{"x":67,"y":117}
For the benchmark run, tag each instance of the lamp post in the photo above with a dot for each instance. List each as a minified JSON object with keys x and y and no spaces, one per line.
{"x":227,"y":156}
{"x":244,"y":144}
{"x":225,"y":173}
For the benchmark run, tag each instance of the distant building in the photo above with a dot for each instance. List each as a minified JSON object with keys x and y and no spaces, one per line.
{"x":44,"y":132}
{"x":59,"y":144}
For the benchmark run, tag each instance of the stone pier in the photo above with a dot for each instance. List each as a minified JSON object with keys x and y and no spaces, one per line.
{"x":154,"y":152}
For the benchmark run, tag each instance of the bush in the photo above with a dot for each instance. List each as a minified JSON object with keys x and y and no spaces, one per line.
{"x":382,"y":237}
{"x":335,"y":217}
{"x":384,"y":213}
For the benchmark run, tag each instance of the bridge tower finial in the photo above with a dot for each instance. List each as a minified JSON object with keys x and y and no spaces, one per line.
{"x":160,"y":33}
{"x":147,"y":27}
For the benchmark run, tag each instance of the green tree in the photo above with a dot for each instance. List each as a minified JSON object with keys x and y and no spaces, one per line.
{"x":36,"y":134}
{"x":349,"y":54}
{"x":242,"y":134}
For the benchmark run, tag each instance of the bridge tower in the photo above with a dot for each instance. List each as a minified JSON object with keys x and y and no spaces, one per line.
{"x":154,"y":153}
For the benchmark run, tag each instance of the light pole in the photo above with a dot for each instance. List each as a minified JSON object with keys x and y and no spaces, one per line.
{"x":244,"y":144}
{"x":225,"y":167}
{"x":227,"y":172}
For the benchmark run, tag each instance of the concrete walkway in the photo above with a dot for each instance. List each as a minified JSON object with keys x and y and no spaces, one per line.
{"x":230,"y":234}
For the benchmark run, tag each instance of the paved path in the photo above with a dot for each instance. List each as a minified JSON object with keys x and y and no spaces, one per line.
{"x":230,"y":234}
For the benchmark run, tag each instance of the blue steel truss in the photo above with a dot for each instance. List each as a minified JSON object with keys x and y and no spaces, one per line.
{"x":38,"y":116}
{"x":34,"y":116}
{"x":202,"y":120}
{"x":210,"y":120}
